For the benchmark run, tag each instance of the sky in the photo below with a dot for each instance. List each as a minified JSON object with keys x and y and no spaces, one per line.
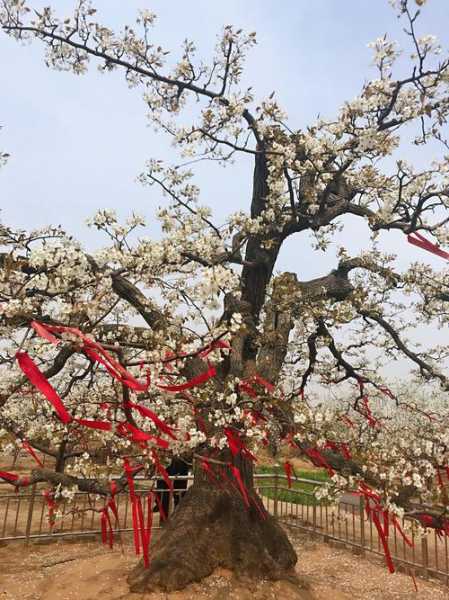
{"x":78,"y":143}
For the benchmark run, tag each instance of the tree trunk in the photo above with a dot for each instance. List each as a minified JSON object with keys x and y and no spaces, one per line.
{"x":212,"y":527}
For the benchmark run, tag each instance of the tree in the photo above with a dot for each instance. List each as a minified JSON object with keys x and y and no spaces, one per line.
{"x":192,"y":346}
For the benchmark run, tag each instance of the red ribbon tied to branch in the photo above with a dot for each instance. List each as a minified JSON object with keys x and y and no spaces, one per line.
{"x":92,"y":350}
{"x":318,"y":459}
{"x":139,"y":436}
{"x":194,"y":382}
{"x":96,"y":353}
{"x":11,"y":477}
{"x":421,"y":242}
{"x":38,"y":379}
{"x":27,"y":446}
{"x":222,"y":344}
{"x":246,"y":385}
{"x":42,"y":330}
{"x":236,"y":444}
{"x":146,"y":412}
{"x":373,"y":510}
{"x":372,"y":421}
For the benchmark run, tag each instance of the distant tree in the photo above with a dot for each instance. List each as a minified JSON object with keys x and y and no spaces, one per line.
{"x":191,"y":345}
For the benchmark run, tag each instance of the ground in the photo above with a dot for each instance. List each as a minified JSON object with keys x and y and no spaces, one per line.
{"x":89,"y":571}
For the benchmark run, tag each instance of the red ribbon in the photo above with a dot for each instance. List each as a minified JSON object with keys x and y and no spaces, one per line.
{"x":288,"y":468}
{"x":236,"y":445}
{"x":144,"y":537}
{"x":205,"y":465}
{"x":426,"y":520}
{"x":254,"y":415}
{"x":373,"y":514}
{"x":345,"y":451}
{"x":401,"y":532}
{"x":101,"y":425}
{"x":103,"y":526}
{"x":421,"y":242}
{"x":260,"y":508}
{"x":233,"y":442}
{"x":95,"y":352}
{"x":146,"y":412}
{"x":129,"y":470}
{"x":247,"y":385}
{"x":331,"y":445}
{"x":27,"y":446}
{"x":248,"y":389}
{"x":110,"y":528}
{"x":372,"y":421}
{"x":318,"y":459}
{"x":162,"y":515}
{"x":238,"y":477}
{"x":162,"y":471}
{"x":135,"y":519}
{"x":12,"y":477}
{"x":386,"y":524}
{"x":340,"y":447}
{"x":383,"y":539}
{"x":213,"y":346}
{"x":347,"y":420}
{"x":137,"y":435}
{"x":112,"y":504}
{"x":266,"y":384}
{"x":49,"y":499}
{"x":44,"y":333}
{"x":38,"y":379}
{"x":132,"y":494}
{"x":149,"y":521}
{"x":194,"y":382}
{"x":387,"y":392}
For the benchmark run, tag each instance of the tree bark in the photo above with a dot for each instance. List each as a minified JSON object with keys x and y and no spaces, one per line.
{"x":212,"y":527}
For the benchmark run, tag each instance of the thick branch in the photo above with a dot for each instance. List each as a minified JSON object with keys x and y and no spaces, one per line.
{"x":131,"y":293}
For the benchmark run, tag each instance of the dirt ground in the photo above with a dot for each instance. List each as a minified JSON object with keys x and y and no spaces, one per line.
{"x":88,"y":571}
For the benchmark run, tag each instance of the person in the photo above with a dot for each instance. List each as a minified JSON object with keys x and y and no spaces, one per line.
{"x":177,"y":467}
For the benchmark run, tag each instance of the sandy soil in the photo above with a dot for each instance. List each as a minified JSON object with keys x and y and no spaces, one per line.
{"x":88,"y":571}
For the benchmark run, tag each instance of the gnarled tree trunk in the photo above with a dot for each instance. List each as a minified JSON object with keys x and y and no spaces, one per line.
{"x":212,"y":527}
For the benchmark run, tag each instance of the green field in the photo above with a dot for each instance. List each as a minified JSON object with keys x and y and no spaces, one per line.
{"x":300,"y":492}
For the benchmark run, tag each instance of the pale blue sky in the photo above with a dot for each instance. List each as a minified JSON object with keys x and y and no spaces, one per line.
{"x":78,"y":143}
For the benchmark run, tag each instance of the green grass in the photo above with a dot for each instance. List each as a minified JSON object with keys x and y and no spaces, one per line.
{"x":300,"y":492}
